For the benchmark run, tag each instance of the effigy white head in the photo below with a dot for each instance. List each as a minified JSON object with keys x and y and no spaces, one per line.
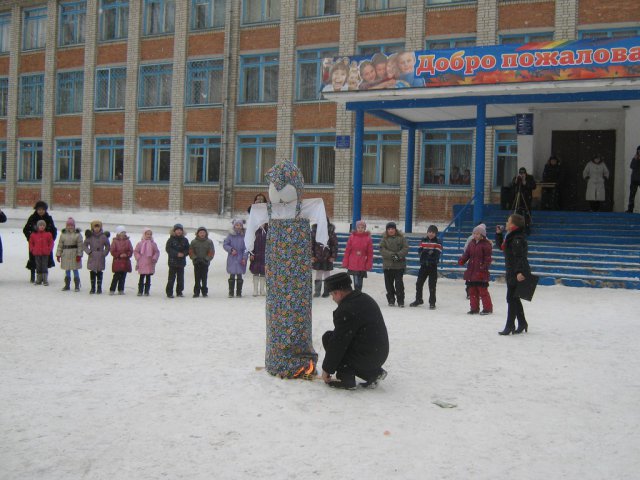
{"x":286,"y":183}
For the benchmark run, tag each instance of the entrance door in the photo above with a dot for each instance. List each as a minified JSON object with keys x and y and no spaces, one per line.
{"x":576,"y":148}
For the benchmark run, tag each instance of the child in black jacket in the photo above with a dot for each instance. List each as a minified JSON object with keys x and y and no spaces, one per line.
{"x":178,"y":250}
{"x":429,"y":251}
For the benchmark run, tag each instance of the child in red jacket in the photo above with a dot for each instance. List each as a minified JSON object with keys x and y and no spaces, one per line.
{"x":358,"y":254}
{"x":41,"y":246}
{"x":478,"y":256}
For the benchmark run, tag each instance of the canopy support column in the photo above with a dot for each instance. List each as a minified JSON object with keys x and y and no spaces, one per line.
{"x":357,"y":167}
{"x":481,"y":140}
{"x":411,"y":158}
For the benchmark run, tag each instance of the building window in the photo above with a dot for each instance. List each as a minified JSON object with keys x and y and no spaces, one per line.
{"x":114,"y":19}
{"x":318,"y":8}
{"x":72,"y":23}
{"x":506,"y":158}
{"x":446,"y":43}
{"x":525,"y":38}
{"x":4,"y":96}
{"x":207,"y":14}
{"x":312,"y":73}
{"x":34,"y":28}
{"x":259,"y":79}
{"x":30,"y":164}
{"x":256,"y":155}
{"x":260,"y":11}
{"x":3,"y":161}
{"x":370,"y":50}
{"x":204,"y":82}
{"x":68,"y":160}
{"x":609,"y":33}
{"x":5,"y":27}
{"x":448,"y":2}
{"x":155,"y":159}
{"x":203,"y":160}
{"x":31,"y":95}
{"x":315,"y":155}
{"x":155,"y":85}
{"x":159,"y":17}
{"x":109,"y":159}
{"x":447,"y":158}
{"x":70,"y":89}
{"x":376,"y":5}
{"x":381,"y":158}
{"x":110,"y":88}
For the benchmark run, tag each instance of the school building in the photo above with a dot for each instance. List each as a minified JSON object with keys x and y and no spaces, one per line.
{"x":183,"y":105}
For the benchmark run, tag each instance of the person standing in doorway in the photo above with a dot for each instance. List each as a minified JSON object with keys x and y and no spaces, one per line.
{"x":635,"y":180}
{"x":596,"y":173}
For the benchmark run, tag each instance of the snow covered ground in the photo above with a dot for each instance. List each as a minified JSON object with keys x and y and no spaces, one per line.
{"x":132,"y":388}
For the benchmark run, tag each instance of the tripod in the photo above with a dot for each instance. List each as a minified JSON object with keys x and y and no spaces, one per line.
{"x":520,"y":207}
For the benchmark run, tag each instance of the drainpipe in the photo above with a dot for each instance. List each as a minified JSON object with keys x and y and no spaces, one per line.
{"x":226,"y":88}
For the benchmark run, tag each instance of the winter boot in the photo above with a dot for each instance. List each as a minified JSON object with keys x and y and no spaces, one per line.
{"x":239,"y":287}
{"x":232,"y":285}
{"x":325,"y":294}
{"x":92,"y":275}
{"x":99,"y":289}
{"x":318,"y":288}
{"x":45,"y":279}
{"x":263,"y":286}
{"x":38,"y":279}
{"x":256,"y":285}
{"x":67,"y":284}
{"x":76,"y":284}
{"x":33,"y":276}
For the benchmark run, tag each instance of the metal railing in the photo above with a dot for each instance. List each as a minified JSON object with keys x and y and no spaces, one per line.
{"x":458,"y":228}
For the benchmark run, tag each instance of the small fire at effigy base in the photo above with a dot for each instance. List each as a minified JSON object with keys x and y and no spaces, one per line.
{"x":306,"y":372}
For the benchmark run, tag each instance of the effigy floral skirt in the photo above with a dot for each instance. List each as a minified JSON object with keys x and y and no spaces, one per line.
{"x":288,"y":272}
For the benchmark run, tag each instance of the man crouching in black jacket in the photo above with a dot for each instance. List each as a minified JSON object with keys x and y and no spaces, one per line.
{"x":359,"y":345}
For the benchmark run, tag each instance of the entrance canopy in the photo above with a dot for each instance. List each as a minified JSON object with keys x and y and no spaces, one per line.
{"x":479,"y":87}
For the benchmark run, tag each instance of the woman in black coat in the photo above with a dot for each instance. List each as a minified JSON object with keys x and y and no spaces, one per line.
{"x":40,"y":213}
{"x":3,"y":218}
{"x":514,"y":246}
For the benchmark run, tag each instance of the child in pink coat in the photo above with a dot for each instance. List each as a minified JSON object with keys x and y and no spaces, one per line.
{"x":478,"y":256}
{"x":358,"y":254}
{"x":146,"y":254}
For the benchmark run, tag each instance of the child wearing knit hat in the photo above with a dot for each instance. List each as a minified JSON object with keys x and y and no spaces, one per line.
{"x":121,"y":251}
{"x":201,"y":252}
{"x":358,"y":254}
{"x":69,"y":254}
{"x":237,"y":257}
{"x":146,"y":254}
{"x":429,"y":253}
{"x":177,"y":248}
{"x":41,"y":246}
{"x":96,"y":246}
{"x":478,"y":256}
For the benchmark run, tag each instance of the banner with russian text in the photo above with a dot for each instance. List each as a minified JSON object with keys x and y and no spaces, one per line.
{"x":551,"y":61}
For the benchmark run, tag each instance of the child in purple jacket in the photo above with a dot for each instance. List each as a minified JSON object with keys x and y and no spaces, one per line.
{"x":237,"y":257}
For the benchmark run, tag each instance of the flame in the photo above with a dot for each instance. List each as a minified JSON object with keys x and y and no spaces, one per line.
{"x":306,"y":371}
{"x":310,"y":368}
